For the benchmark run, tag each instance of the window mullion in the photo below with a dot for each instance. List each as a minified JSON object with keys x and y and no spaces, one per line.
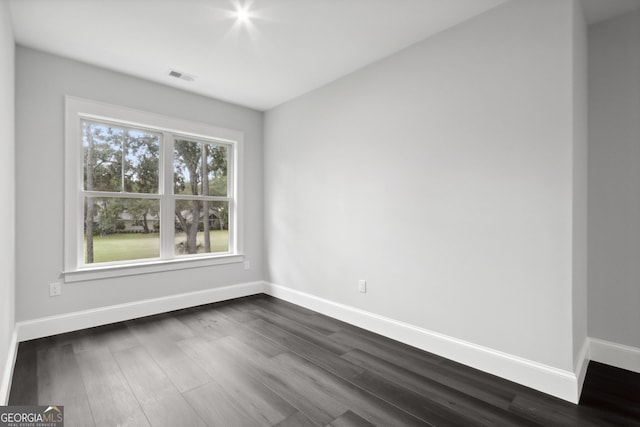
{"x":123,"y":147}
{"x":167,"y":204}
{"x":80,"y":230}
{"x":231,"y":193}
{"x":120,"y":195}
{"x":204,"y":198}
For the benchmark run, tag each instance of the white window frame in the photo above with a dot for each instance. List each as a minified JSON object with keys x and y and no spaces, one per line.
{"x":78,"y":109}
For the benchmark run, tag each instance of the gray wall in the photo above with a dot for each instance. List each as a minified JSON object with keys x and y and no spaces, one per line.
{"x":42,"y":80}
{"x":442,"y":175}
{"x":614,"y":180}
{"x":7,"y":187}
{"x":580,"y":180}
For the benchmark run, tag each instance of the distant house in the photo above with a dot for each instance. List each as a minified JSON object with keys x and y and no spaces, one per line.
{"x":216,"y":219}
{"x":134,"y":225}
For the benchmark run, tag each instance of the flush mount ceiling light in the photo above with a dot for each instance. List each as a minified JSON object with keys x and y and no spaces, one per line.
{"x":242,"y":14}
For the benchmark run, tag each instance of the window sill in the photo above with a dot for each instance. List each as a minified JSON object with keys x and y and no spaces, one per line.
{"x":97,"y":273}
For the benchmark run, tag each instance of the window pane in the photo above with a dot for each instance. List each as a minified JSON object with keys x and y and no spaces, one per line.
{"x":186,"y":167}
{"x":200,"y":168}
{"x":198,"y":232}
{"x":102,"y":146}
{"x":104,"y":170}
{"x":142,"y":160}
{"x":216,"y":171}
{"x":118,"y":229}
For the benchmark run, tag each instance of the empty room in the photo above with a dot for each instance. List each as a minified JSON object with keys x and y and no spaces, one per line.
{"x":320,"y":212}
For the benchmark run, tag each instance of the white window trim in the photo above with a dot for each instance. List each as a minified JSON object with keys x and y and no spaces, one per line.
{"x":77,"y":109}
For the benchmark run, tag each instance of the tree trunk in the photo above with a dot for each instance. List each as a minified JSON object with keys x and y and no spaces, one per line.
{"x":89,"y":230}
{"x":145,"y":224}
{"x":192,"y":230}
{"x":89,"y":214}
{"x":192,"y":162}
{"x":183,"y":223}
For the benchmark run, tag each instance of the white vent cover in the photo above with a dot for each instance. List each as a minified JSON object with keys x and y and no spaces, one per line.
{"x":182,"y":76}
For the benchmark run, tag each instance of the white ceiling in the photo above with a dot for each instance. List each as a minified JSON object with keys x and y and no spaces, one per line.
{"x":288,"y":47}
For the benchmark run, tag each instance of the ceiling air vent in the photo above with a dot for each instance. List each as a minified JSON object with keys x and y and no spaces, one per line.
{"x":182,"y":76}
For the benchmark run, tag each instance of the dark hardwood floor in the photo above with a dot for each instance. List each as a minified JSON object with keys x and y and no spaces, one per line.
{"x":259,"y":361}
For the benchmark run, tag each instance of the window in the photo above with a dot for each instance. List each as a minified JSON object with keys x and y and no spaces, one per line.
{"x":147,"y":193}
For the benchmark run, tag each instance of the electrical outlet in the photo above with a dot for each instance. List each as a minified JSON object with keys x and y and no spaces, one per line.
{"x":362,"y":286}
{"x":55,"y":289}
{"x":247,"y":265}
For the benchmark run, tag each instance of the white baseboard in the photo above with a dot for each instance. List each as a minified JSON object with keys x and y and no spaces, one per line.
{"x":618,"y":355}
{"x":550,"y":380}
{"x":557,"y":382}
{"x":582,"y":363}
{"x":7,"y":372}
{"x":53,"y":325}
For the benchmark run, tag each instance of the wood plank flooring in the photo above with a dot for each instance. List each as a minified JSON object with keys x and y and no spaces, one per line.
{"x":260,"y":361}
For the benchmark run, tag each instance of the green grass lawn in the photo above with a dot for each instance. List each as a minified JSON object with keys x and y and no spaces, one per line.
{"x":126,"y":246}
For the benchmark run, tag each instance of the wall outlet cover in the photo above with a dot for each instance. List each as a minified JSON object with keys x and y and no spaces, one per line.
{"x":55,"y":289}
{"x":362,"y":286}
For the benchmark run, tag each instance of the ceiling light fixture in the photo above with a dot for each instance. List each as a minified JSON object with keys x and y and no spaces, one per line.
{"x":242,"y":14}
